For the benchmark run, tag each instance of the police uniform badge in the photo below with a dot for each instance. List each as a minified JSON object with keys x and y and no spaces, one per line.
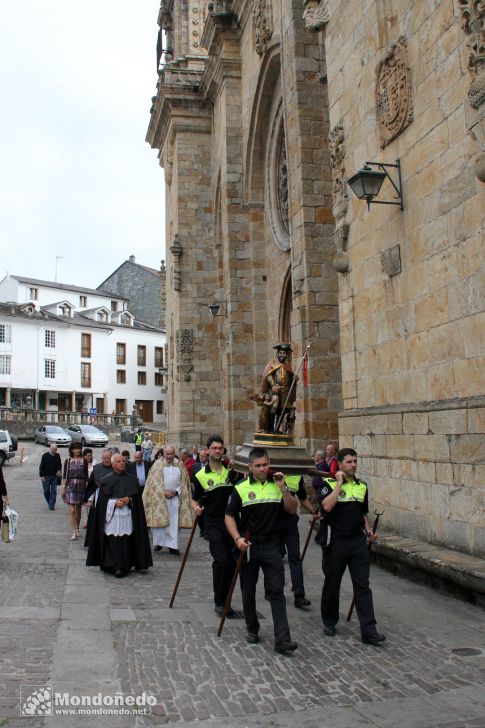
{"x":324,"y":491}
{"x":251,"y":495}
{"x":342,"y":494}
{"x":210,"y":483}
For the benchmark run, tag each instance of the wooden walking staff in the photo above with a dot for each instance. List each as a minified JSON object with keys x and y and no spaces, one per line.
{"x":293,"y":384}
{"x":182,"y":565}
{"x":312,"y":526}
{"x":239,"y":564}
{"x":374,"y":531}
{"x":186,"y":553}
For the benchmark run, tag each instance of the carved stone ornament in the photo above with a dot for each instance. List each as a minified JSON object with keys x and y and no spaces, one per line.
{"x":262,"y":25}
{"x":394,"y":107}
{"x":473,"y":24}
{"x":316,"y":15}
{"x":176,"y":250}
{"x":184,"y":342}
{"x":336,"y":145}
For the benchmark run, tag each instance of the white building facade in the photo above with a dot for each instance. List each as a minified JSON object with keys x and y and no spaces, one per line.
{"x":71,"y":349}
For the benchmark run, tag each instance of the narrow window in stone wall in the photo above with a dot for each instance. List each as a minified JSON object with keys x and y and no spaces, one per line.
{"x":83,"y":301}
{"x":49,"y":369}
{"x":142,"y":377}
{"x":5,"y":364}
{"x":120,"y":376}
{"x":158,"y":379}
{"x":121,"y":353}
{"x":5,"y":334}
{"x":85,"y":374}
{"x":86,"y":346}
{"x":114,"y":305}
{"x":50,"y":339}
{"x":160,"y":407}
{"x":142,"y":356}
{"x":33,"y":294}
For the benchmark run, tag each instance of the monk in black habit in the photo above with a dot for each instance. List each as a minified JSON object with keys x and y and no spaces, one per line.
{"x":119,"y":537}
{"x":100,"y":471}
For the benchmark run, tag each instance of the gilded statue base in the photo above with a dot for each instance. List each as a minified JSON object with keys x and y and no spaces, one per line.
{"x":283,"y":454}
{"x":269,"y":439}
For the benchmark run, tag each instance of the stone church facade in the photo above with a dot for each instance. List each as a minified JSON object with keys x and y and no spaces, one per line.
{"x":263,"y":110}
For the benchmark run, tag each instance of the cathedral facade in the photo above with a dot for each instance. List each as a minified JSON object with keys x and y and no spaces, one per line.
{"x":264,"y":109}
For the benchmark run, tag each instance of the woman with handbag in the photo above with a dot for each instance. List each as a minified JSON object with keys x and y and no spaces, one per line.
{"x":3,"y":493}
{"x":3,"y":490}
{"x":75,"y":477}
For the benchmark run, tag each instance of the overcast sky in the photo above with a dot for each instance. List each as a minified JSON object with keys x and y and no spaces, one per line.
{"x":77,"y":178}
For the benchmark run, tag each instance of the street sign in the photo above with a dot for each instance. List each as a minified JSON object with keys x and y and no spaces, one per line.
{"x":92,"y":411}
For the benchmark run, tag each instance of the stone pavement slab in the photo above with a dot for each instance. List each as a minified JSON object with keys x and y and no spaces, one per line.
{"x":85,"y":633}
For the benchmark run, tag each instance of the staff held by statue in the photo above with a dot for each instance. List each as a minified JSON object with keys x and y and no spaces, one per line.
{"x":304,"y":363}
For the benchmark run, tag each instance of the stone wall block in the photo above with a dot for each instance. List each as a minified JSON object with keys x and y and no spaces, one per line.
{"x":399,"y":446}
{"x":433,"y":448}
{"x":467,"y":504}
{"x":458,"y":533}
{"x":444,"y":473}
{"x":448,"y":422}
{"x":467,"y":449}
{"x":440,"y":501}
{"x":476,"y":420}
{"x":415,"y":423}
{"x":427,"y":471}
{"x":478,"y":540}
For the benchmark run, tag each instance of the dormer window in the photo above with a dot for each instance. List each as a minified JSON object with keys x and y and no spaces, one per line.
{"x":126,"y":319}
{"x":65,"y":310}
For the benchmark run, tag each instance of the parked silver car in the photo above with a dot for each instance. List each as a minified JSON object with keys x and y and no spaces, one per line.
{"x":8,"y":446}
{"x":87,"y":435}
{"x":51,"y":433}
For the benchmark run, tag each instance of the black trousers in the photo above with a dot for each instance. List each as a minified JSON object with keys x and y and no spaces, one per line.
{"x":291,"y":539}
{"x":265,"y":556}
{"x":340,"y":553}
{"x":221,"y":547}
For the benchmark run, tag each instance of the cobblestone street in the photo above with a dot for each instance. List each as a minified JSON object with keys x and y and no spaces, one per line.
{"x":73,"y":628}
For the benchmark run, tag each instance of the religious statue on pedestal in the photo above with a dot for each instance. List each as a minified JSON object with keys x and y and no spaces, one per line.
{"x":278,"y":393}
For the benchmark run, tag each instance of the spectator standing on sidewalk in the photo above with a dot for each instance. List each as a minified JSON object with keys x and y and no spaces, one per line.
{"x":147,"y":447}
{"x":50,"y":469}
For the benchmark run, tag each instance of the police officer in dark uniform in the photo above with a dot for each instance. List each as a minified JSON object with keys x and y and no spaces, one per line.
{"x":256,"y":505}
{"x":211,"y":488}
{"x":290,"y":537}
{"x":343,"y":536}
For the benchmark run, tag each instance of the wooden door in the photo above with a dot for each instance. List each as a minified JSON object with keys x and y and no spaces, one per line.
{"x":145,"y":409}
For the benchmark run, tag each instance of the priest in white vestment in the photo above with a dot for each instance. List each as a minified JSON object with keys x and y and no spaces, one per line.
{"x":166,"y":500}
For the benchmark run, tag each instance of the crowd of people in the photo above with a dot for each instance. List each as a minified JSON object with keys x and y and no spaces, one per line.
{"x":252,"y":513}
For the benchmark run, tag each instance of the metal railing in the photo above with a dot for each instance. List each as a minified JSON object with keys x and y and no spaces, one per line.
{"x":14,"y":414}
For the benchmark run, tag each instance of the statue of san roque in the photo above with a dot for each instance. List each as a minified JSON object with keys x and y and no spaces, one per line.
{"x":278,"y":393}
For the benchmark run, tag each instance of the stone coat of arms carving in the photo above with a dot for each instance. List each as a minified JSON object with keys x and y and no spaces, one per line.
{"x":394,"y":107}
{"x":262,"y":25}
{"x":184,"y":341}
{"x":336,"y":146}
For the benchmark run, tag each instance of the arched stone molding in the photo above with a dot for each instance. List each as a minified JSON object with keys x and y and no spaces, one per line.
{"x":286,"y":305}
{"x":276,"y":187}
{"x":254,"y":157}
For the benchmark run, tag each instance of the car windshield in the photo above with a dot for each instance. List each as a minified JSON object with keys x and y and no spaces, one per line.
{"x":90,"y":428}
{"x":57,"y":430}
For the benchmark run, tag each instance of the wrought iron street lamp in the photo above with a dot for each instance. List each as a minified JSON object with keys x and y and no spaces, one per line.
{"x":367,"y":182}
